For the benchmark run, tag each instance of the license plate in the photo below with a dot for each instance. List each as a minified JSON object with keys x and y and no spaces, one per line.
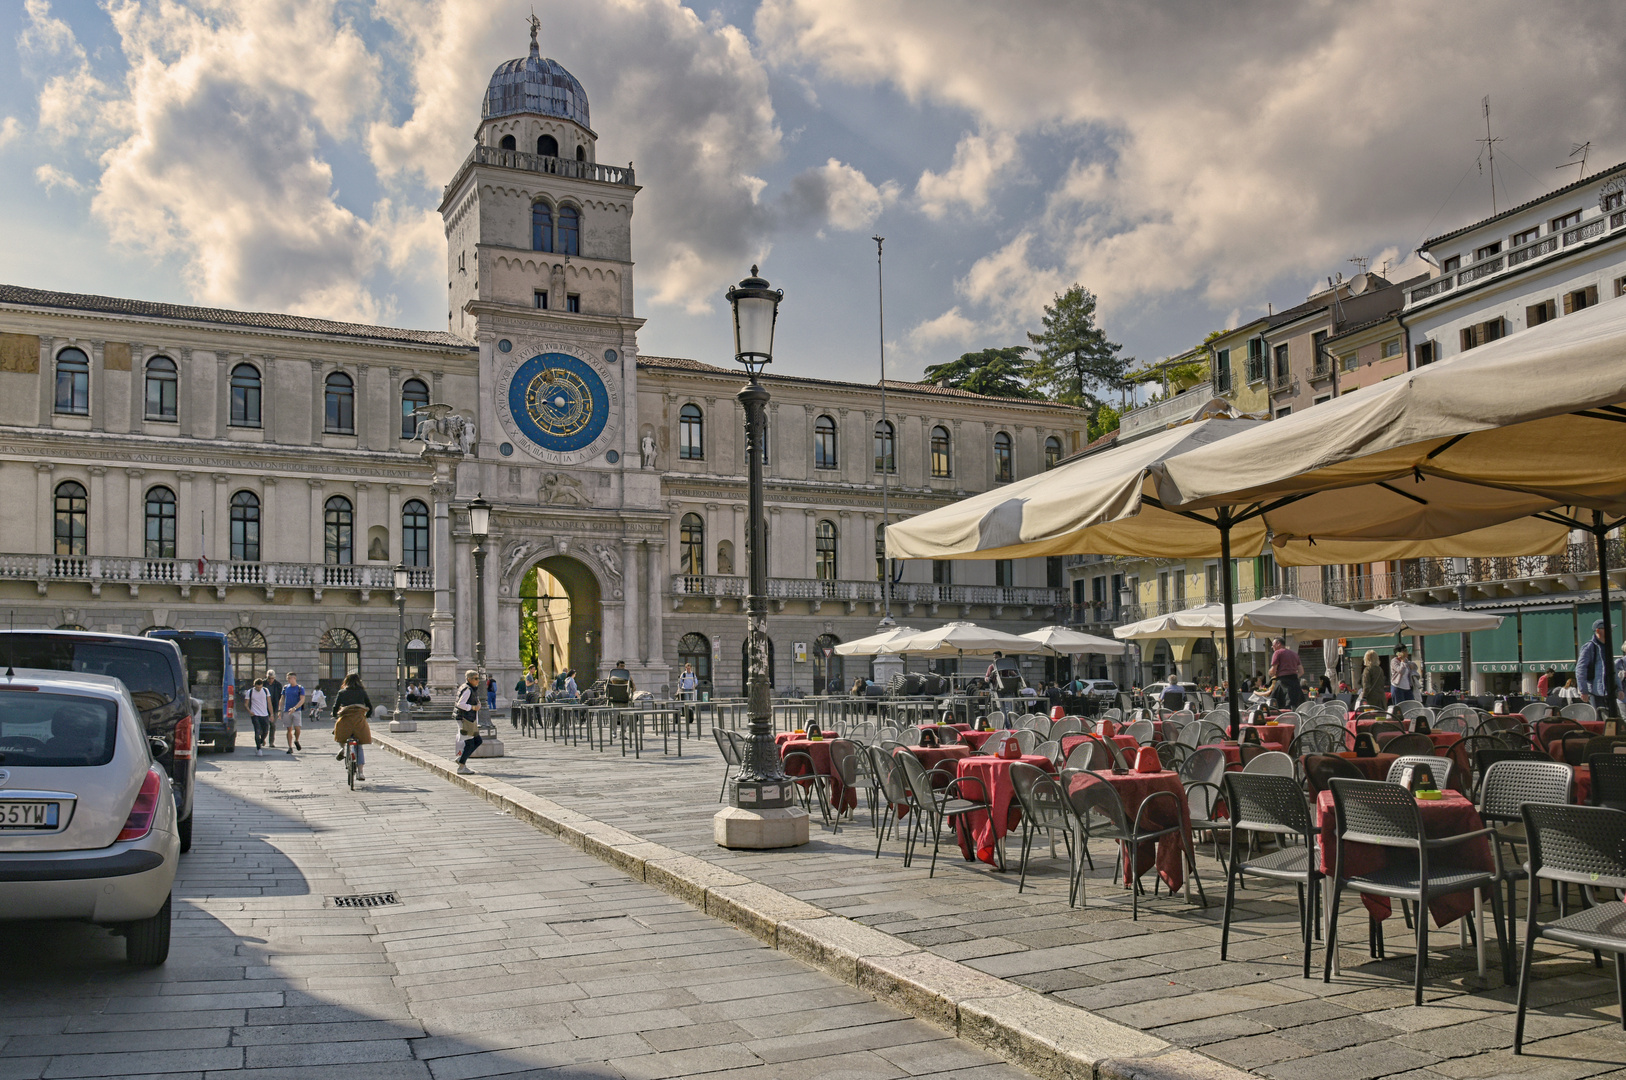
{"x":28,"y":815}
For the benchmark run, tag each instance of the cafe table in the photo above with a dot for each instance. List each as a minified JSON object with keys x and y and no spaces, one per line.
{"x":932,"y":756}
{"x":974,"y":739}
{"x":1279,"y":736}
{"x":1126,"y":744}
{"x":1172,"y":852}
{"x":842,"y":798}
{"x":978,"y":833}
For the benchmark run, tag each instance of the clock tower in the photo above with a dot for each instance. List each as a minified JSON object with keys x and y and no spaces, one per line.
{"x":539,"y":276}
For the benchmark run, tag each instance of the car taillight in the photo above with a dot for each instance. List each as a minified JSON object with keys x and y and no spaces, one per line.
{"x":145,"y":810}
{"x":183,"y":737}
{"x":230,"y":705}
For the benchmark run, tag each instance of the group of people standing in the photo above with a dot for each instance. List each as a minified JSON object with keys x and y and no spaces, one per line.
{"x":277,"y":706}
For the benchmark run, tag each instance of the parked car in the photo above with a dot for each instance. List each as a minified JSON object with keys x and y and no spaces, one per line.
{"x":1154,"y":693}
{"x":151,"y":670}
{"x":88,"y":828}
{"x":1100,"y":690}
{"x":209,"y":678}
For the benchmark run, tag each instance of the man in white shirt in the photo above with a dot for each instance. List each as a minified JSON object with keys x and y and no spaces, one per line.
{"x":259,"y":711}
{"x":1400,"y":678}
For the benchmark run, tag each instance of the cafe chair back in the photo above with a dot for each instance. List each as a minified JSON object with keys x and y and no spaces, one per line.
{"x":1044,"y":809}
{"x":1265,"y":803}
{"x":1608,"y":781}
{"x":1441,"y":768}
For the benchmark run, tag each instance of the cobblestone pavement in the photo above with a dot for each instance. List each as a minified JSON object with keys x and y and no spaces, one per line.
{"x":509,"y":954}
{"x":1161,"y":974}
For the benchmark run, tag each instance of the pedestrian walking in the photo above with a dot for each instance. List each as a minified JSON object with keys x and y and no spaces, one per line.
{"x":468,"y":719}
{"x":293,"y":711}
{"x":351,"y":696}
{"x":491,"y":693}
{"x":1402,"y":681}
{"x":1287,"y":670}
{"x":688,"y":683}
{"x":1372,"y":681}
{"x":1590,"y":673}
{"x":318,"y":703}
{"x":259,"y":713}
{"x":273,"y":687}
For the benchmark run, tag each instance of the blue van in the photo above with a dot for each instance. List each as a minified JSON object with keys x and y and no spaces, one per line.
{"x":209,"y":679}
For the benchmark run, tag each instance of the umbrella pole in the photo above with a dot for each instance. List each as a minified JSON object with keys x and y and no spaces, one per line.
{"x":1226,"y":590}
{"x":1612,"y":706}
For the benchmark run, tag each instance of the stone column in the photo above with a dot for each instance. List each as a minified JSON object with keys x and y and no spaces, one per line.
{"x":653,"y":552}
{"x":443,"y":673}
{"x":220,"y":548}
{"x":268,"y":512}
{"x":317,"y":552}
{"x":137,"y":546}
{"x":44,"y":540}
{"x":96,"y":527}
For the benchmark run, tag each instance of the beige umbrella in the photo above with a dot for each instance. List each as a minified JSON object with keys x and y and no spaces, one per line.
{"x":1503,"y":443}
{"x":872,"y":645}
{"x":955,"y":638}
{"x":1060,"y":639}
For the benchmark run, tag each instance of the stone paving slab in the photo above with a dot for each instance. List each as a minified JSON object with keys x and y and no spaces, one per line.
{"x":1161,"y":975}
{"x":510,"y":954}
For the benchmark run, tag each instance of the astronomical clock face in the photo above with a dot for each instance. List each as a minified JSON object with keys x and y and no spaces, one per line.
{"x":560,"y":405}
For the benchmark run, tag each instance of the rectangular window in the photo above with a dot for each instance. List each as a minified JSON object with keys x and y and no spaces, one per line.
{"x":1620,"y":286}
{"x":1222,"y":370}
{"x":1052,"y":572}
{"x":942,"y":572}
{"x":1163,"y":590}
{"x":1285,"y":410}
{"x":1279,"y":377}
{"x":1098,"y":590}
{"x":1484,"y":333}
{"x":1613,"y":201}
{"x":1452,"y":264}
{"x":1427,"y":352}
{"x":1323,"y":397}
{"x":1391,"y":348}
{"x":1004,"y":573}
{"x":1571,"y":218}
{"x":541,"y":299}
{"x":1536,"y":314}
{"x":573,"y":302}
{"x":1349,"y":361}
{"x":1488,"y":251}
{"x":1211,"y":583}
{"x":1180,"y":588}
{"x":1256,"y":360}
{"x":1527,"y":236}
{"x":1580,"y":298}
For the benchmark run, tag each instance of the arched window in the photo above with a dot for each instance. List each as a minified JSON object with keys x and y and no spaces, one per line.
{"x":507,"y":143}
{"x":692,"y":545}
{"x":824,"y":550}
{"x":827,"y":666}
{"x":73,"y":382}
{"x":541,"y":227}
{"x":691,"y":433}
{"x":942,"y":464}
{"x":1052,"y":453}
{"x":341,"y":655}
{"x":415,"y":533}
{"x":885,"y":457}
{"x":824,"y":443}
{"x":72,"y":517}
{"x":248,"y":659}
{"x":581,"y":153}
{"x":245,"y":527}
{"x":160,"y":523}
{"x":1004,"y":471}
{"x":745,"y":663}
{"x":547,"y":146}
{"x":414,"y":395}
{"x":341,"y":404}
{"x":569,"y":231}
{"x":695,"y":649}
{"x":417,"y":655}
{"x":339,"y":532}
{"x":163,"y":386}
{"x":245,"y":396}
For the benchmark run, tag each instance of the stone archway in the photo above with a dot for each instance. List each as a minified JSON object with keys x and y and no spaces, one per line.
{"x":577,"y":616}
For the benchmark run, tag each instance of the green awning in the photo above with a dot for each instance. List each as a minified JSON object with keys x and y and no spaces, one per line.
{"x":1442,"y":652}
{"x":1385,"y":644}
{"x":1588,"y":614}
{"x":1497,"y":650}
{"x":1548,"y":638}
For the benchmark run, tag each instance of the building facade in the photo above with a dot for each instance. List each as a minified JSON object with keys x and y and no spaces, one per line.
{"x":264,"y":474}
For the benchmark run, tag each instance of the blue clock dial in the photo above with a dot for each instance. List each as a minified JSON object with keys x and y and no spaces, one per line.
{"x":558,"y":402}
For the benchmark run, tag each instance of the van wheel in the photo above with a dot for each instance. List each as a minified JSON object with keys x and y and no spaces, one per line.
{"x":183,"y":828}
{"x":228,"y":743}
{"x":146,"y":943}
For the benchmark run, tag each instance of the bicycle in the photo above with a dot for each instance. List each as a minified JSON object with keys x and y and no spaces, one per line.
{"x":350,"y":766}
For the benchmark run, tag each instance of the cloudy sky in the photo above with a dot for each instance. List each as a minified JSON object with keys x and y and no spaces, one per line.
{"x":1189,"y":162}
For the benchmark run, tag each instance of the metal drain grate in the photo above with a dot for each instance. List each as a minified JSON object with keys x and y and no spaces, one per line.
{"x":365,"y":900}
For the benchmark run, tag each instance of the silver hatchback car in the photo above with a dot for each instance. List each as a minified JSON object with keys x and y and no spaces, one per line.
{"x":87,"y":820}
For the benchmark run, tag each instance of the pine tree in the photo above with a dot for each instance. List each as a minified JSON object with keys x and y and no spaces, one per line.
{"x":995,"y":372}
{"x":1075,"y":362}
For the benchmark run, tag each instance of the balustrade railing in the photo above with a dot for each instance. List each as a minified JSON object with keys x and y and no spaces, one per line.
{"x":130,"y":570}
{"x":723,"y":585}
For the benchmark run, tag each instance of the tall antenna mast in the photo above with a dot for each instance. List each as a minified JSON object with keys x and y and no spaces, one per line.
{"x":1578,"y":148}
{"x":891,"y":444}
{"x":1490,"y":142}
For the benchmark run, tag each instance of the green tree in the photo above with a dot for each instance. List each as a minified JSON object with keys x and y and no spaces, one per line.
{"x":1075,"y":362}
{"x":995,"y":372}
{"x":1104,"y":420}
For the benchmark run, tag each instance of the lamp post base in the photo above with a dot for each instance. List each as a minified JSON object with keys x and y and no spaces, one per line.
{"x":758,"y":830}
{"x":402,"y":722}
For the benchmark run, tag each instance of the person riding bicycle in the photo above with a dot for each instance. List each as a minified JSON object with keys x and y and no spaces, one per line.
{"x":351,"y":707}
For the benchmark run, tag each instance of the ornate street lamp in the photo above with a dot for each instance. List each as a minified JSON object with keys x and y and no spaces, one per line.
{"x":402,"y":580}
{"x":479,"y":528}
{"x":762,"y":811}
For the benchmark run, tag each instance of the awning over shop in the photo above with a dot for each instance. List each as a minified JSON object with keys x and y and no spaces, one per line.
{"x":1587,"y":614}
{"x":1385,"y":644}
{"x":1442,"y":652}
{"x":1497,"y":650}
{"x":1548,"y":638}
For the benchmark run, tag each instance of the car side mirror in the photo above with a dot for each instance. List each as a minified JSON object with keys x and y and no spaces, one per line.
{"x":158,"y":744}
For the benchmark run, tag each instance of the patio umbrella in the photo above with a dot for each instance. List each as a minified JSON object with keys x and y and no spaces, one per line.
{"x":870,"y":646}
{"x":1422,"y":619}
{"x":1530,"y":427}
{"x":958,"y":638}
{"x":1170,"y":625}
{"x":1059,"y":639}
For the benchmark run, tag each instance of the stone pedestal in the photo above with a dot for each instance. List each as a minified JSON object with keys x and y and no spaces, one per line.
{"x":886,"y":667}
{"x":402,"y":722}
{"x":490,"y":746}
{"x":444,"y":674}
{"x":758,"y":830}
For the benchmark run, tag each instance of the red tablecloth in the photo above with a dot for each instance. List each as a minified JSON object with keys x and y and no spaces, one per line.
{"x":977,"y":832}
{"x":930,"y":756}
{"x":1231,"y":750}
{"x":1450,"y":815}
{"x":841,"y":796}
{"x":1278,"y":735}
{"x":1555,"y":747}
{"x":1133,"y":788}
{"x":975,"y":739}
{"x":1583,"y":785}
{"x":1444,"y":740}
{"x":1375,"y":768}
{"x":1126,"y":745}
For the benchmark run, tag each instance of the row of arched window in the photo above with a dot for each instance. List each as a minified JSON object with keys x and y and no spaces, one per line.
{"x":338,"y":650}
{"x":692,"y":446}
{"x":162,"y":394}
{"x":694,"y":649}
{"x":71,"y":514}
{"x":563,"y":237}
{"x":546,"y":146}
{"x":826,"y":561}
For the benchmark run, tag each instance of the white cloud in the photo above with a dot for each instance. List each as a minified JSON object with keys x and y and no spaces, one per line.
{"x":978,"y":162}
{"x":50,"y":178}
{"x":838,"y":196}
{"x":949,"y":327}
{"x":1223,"y":147}
{"x":10,"y":129}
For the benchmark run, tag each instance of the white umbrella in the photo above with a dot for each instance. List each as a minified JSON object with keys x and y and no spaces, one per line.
{"x":1168,"y":625}
{"x":1060,"y":639}
{"x":1289,"y":615}
{"x":956,"y":638}
{"x":870,"y":646}
{"x":1420,"y":619}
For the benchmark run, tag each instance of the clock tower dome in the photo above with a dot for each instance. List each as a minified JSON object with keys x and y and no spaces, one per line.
{"x":539,"y":276}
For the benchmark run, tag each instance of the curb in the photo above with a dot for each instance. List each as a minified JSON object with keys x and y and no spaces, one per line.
{"x":1038,"y":1033}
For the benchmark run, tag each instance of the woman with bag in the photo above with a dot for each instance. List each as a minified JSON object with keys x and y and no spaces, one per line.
{"x":1374,"y":682}
{"x":468,"y":719}
{"x":351,"y":707}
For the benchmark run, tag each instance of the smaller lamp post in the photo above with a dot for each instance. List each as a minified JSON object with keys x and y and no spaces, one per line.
{"x":479,"y":528}
{"x":402,"y":580}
